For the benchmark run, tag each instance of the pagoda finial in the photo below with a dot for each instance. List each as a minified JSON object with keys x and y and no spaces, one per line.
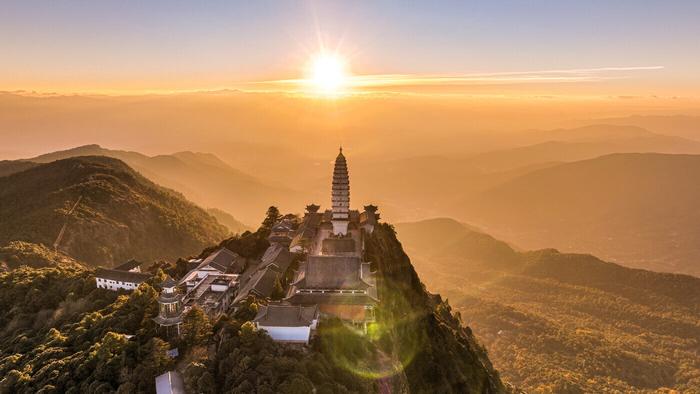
{"x":341,"y":149}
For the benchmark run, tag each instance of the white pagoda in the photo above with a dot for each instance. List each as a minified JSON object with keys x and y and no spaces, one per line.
{"x":340,"y":196}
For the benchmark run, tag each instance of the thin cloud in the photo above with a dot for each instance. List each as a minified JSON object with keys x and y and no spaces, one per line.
{"x":511,"y":77}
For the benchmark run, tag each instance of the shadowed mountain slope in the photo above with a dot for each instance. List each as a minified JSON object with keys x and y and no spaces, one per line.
{"x":202,"y":177}
{"x":121,"y":215}
{"x":9,"y":167}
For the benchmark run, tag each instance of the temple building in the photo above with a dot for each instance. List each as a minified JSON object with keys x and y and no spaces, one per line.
{"x":170,"y":310}
{"x":288,"y":323}
{"x":211,"y":285}
{"x":126,"y":276}
{"x":334,"y":276}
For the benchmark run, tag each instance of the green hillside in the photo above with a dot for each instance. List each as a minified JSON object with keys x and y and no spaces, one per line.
{"x":61,"y":334}
{"x":121,"y":215}
{"x":561,"y":322}
{"x":17,"y":253}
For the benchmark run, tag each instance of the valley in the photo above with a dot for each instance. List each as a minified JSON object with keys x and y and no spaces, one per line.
{"x":560,"y":322}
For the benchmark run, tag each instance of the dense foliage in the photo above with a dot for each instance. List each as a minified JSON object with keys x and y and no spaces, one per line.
{"x":121,"y":214}
{"x":61,"y":334}
{"x":434,"y":350}
{"x":18,"y":253}
{"x":557,"y":322}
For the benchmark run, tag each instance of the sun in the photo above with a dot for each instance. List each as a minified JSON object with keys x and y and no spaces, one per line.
{"x":327,"y":74}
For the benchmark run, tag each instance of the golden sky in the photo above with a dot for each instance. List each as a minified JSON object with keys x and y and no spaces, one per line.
{"x":512,"y":48}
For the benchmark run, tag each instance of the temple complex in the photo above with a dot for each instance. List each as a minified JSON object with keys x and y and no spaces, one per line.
{"x":334,"y":275}
{"x":332,"y":278}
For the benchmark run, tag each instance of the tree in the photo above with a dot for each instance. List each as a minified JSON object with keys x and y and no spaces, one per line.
{"x":193,"y":372}
{"x":248,"y":329}
{"x":272,"y":216}
{"x":196,"y":327}
{"x":206,"y":384}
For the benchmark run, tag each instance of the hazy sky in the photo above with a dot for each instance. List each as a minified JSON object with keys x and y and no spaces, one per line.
{"x":151,"y":45}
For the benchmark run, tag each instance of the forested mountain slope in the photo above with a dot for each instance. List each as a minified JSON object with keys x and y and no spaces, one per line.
{"x":562,"y":322}
{"x":61,"y":334}
{"x":202,"y":177}
{"x":120,"y":214}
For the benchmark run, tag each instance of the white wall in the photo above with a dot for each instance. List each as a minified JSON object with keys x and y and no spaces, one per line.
{"x":115,"y":285}
{"x":219,"y":288}
{"x":288,"y":334}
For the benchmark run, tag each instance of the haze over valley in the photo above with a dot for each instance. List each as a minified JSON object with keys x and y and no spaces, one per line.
{"x":625,"y":193}
{"x":338,"y":197}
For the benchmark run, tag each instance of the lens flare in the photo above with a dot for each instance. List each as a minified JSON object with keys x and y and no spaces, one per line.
{"x":366,"y":354}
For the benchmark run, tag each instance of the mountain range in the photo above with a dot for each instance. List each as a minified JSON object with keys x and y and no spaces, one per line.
{"x":638,"y":209}
{"x":203,"y":178}
{"x":634,"y":208}
{"x":563,"y":322}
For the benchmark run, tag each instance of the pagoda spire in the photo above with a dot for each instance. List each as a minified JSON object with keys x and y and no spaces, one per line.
{"x":340,"y":195}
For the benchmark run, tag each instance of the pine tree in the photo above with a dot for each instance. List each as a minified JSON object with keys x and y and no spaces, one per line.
{"x":196,"y":327}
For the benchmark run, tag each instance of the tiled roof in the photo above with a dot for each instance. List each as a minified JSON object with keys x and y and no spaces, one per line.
{"x":262,"y":282}
{"x":286,"y":315}
{"x":278,"y":255}
{"x":307,"y":229}
{"x":121,"y":276}
{"x":331,"y":272}
{"x":128,"y":266}
{"x":223,"y":260}
{"x":168,"y":282}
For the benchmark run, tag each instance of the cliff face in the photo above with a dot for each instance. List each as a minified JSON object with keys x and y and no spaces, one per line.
{"x":425,"y":340}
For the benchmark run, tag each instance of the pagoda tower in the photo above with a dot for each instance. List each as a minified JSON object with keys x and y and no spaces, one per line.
{"x":340,"y":196}
{"x":170,"y":311}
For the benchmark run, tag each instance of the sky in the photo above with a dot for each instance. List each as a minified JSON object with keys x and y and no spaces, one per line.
{"x":531,"y":47}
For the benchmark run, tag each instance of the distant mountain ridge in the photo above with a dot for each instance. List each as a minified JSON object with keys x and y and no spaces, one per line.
{"x":639,"y":209}
{"x":201,"y":177}
{"x":686,"y":126}
{"x":581,"y":143}
{"x":121,"y":214}
{"x":561,"y":322}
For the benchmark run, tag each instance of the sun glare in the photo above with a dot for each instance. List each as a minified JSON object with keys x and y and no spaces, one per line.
{"x":328,"y":74}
